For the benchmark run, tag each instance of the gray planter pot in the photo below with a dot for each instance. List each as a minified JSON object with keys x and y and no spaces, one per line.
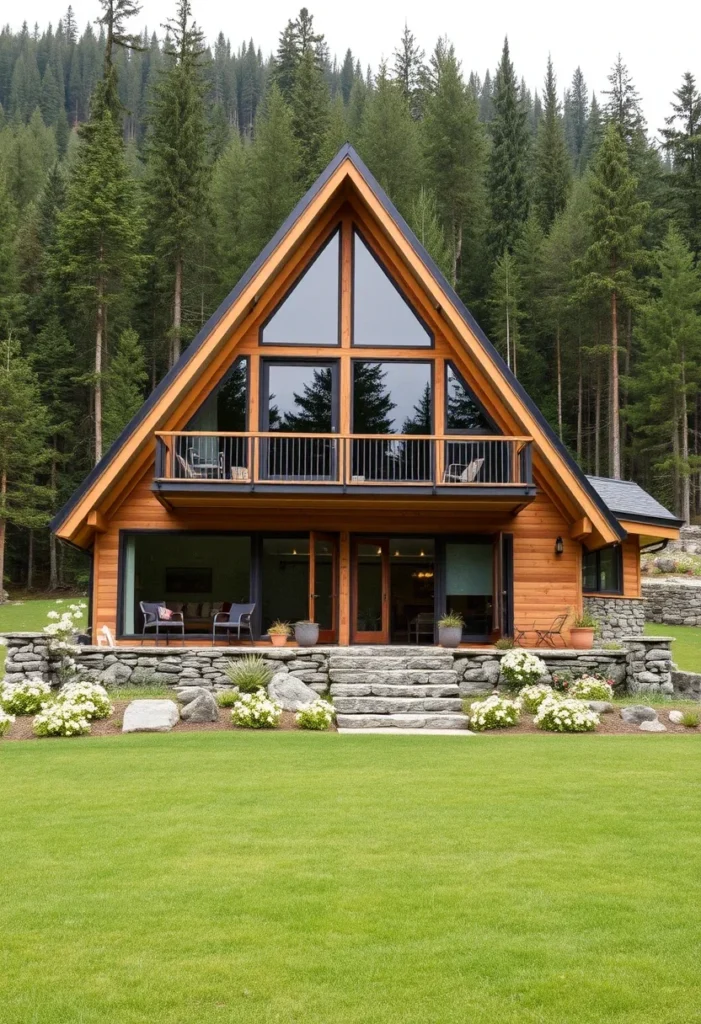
{"x":306,"y":633}
{"x":449,"y":636}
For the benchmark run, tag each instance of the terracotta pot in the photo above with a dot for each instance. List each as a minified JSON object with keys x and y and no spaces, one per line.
{"x":306,"y":633}
{"x":278,"y":639}
{"x":582,"y":637}
{"x":449,"y":636}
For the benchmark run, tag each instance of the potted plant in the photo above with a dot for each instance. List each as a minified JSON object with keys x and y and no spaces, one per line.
{"x":306,"y":633}
{"x":582,"y":632}
{"x":278,"y":632}
{"x":450,"y":629}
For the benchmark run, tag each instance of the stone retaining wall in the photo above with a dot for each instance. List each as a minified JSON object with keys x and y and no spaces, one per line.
{"x":617,"y":616}
{"x":673,"y":600}
{"x":642,"y":664}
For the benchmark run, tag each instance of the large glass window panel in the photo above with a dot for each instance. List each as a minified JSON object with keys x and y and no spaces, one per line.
{"x":369,"y":583}
{"x":462,"y":411}
{"x":601,"y":570}
{"x":469,"y":583}
{"x":225,"y":410}
{"x":309,"y":313}
{"x":392,"y":398}
{"x":412,"y":581}
{"x":194,"y":573}
{"x":300,"y":397}
{"x":285,"y":579}
{"x":381,"y":314}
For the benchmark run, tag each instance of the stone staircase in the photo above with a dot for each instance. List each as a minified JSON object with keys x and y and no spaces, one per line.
{"x":395,"y":688}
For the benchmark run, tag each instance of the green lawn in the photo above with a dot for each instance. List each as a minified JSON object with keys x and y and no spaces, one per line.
{"x":30,"y":617}
{"x":292,"y":877}
{"x":686,"y":649}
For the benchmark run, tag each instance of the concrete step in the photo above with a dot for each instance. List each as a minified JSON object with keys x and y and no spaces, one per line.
{"x":418,"y":720}
{"x":383,"y":662}
{"x":394,"y":677}
{"x":395,"y":705}
{"x":406,"y":732}
{"x":392,"y":690}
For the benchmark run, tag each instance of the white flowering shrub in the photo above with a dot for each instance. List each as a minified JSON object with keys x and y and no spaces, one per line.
{"x":256,"y":711}
{"x":317,"y":715}
{"x":61,"y":719}
{"x":6,"y":721}
{"x":25,"y":698}
{"x":592,"y":688}
{"x":565,"y":714}
{"x":494,"y":713}
{"x":532,"y":697}
{"x":521,"y":668}
{"x":91,"y":697}
{"x":61,"y":632}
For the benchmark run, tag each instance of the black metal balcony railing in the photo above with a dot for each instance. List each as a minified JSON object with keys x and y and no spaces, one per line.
{"x":324,"y":459}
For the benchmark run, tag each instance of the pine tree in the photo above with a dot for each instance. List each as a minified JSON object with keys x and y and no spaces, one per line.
{"x":125,"y":384}
{"x":389,"y":141}
{"x":11,"y":299}
{"x":669,"y":372}
{"x":508,"y":160}
{"x":623,"y":108}
{"x":310,"y":115}
{"x":425,"y":222}
{"x":552,"y":162}
{"x":410,"y":70}
{"x":682,"y":141}
{"x":505,"y":308}
{"x":616,"y":220}
{"x":229,"y":177}
{"x":178,"y":173}
{"x":272,"y":188}
{"x":593,"y":135}
{"x":454,"y":152}
{"x":576,"y":115}
{"x":114,"y":18}
{"x":347,"y":77}
{"x":24,"y":501}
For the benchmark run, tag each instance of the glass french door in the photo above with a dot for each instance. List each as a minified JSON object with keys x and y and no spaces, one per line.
{"x":370,"y":590}
{"x":323,"y":584}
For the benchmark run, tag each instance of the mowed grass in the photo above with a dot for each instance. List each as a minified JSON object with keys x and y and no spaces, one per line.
{"x":686,"y":649}
{"x":293,"y":877}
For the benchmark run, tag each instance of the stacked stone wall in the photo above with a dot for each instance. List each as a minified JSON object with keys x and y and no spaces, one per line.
{"x":672,"y":600}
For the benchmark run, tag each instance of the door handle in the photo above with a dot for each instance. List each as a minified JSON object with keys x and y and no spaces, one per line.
{"x":313,"y":595}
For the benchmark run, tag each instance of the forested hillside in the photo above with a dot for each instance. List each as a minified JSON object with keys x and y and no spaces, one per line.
{"x":141,"y":173}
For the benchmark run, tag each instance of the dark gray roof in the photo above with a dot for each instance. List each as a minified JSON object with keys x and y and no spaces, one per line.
{"x":348,"y":152}
{"x":628,"y":500}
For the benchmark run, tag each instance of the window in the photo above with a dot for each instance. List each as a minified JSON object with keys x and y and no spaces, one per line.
{"x":392,"y":398}
{"x":309,"y":313}
{"x":469,"y":583}
{"x":300,"y":398}
{"x":226,"y":407}
{"x":602,"y":570}
{"x":381,"y":314}
{"x":463,"y":414}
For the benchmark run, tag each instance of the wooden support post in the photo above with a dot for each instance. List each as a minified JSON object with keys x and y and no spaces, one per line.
{"x":344,"y":589}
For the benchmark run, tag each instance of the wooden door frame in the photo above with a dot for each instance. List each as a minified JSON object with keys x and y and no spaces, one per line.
{"x":370,"y":636}
{"x":326,"y":636}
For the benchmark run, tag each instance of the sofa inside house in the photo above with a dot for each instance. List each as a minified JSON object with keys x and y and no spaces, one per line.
{"x":198,"y":615}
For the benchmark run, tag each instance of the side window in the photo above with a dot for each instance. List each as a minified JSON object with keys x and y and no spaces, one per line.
{"x":463,"y":413}
{"x":382,"y":317}
{"x":309,"y":312}
{"x":602,"y":570}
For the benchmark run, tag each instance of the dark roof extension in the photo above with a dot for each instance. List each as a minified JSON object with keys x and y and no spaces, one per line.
{"x":627,"y":500}
{"x":346,"y":152}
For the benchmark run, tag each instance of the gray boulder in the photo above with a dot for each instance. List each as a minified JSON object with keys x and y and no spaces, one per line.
{"x":676,"y":717}
{"x":186,"y":694}
{"x":665,"y":564}
{"x":150,"y":716}
{"x":638,"y":713}
{"x":115,"y":674}
{"x":655,"y":726}
{"x":289,"y":691}
{"x":202,"y":709}
{"x":602,"y":707}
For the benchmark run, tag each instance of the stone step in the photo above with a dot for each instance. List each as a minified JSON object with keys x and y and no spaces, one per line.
{"x":396,"y":677}
{"x":395,"y":705}
{"x":404,"y":731}
{"x":402,"y":721}
{"x":383,"y":662}
{"x":392,"y":690}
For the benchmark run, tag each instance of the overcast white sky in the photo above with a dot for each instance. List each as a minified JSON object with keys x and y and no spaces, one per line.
{"x":658,"y":41}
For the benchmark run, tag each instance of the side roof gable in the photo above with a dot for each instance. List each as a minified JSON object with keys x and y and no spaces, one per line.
{"x":99,"y":480}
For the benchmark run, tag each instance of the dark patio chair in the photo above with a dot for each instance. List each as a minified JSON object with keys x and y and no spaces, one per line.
{"x":237,"y":618}
{"x":548,"y":636}
{"x":423,"y":624}
{"x":521,"y":632}
{"x":151,"y":611}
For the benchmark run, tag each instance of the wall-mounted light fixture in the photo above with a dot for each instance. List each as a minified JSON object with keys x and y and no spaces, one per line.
{"x":559,"y":546}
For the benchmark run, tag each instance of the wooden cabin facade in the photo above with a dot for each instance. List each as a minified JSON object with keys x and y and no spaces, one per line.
{"x":342,"y":443}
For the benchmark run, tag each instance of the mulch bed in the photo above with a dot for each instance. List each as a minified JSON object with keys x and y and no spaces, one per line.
{"x":611,"y":724}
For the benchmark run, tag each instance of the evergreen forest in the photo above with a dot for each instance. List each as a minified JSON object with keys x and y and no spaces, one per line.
{"x":141,"y":173}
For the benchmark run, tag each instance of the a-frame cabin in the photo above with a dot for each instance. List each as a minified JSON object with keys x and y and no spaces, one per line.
{"x":342,"y":443}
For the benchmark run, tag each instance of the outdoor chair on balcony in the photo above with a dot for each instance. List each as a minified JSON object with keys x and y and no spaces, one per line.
{"x":238,"y":618}
{"x":459,"y":473}
{"x":160,"y":621}
{"x":548,"y":636}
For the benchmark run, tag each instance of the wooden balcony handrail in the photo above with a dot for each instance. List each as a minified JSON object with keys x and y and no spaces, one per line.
{"x":458,"y":438}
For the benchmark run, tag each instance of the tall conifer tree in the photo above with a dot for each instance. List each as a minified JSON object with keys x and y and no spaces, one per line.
{"x":508,"y":160}
{"x":552,"y":162}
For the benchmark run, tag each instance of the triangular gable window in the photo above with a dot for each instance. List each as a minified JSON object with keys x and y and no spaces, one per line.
{"x":382,"y":317}
{"x":463,"y":413}
{"x":309,"y":313}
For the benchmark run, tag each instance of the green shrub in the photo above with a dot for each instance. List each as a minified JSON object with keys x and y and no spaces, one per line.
{"x":494,"y":713}
{"x":317,"y":715}
{"x":61,"y":719}
{"x":249,"y":674}
{"x":256,"y":711}
{"x":505,"y":643}
{"x":565,"y":714}
{"x":521,"y":668}
{"x":6,"y":721}
{"x":592,"y":688}
{"x":691,"y":719}
{"x":453,"y":620}
{"x":532,"y":697}
{"x":91,"y":697}
{"x":25,"y":698}
{"x":227,"y":698}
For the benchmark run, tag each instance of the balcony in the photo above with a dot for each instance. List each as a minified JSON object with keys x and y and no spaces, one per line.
{"x":200,"y":463}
